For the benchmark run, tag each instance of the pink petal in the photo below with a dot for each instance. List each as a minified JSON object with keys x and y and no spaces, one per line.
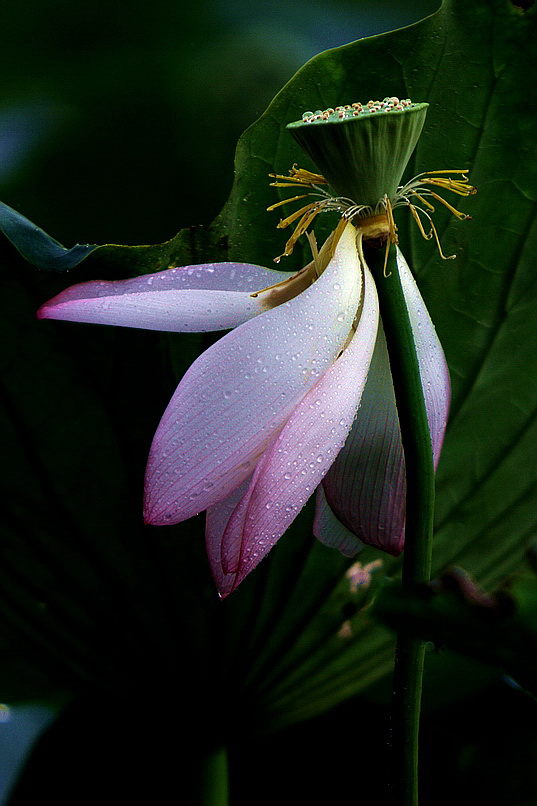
{"x":329,"y":529}
{"x":217,"y":519}
{"x":292,"y":468}
{"x":365,"y":487}
{"x":433,"y":366}
{"x":211,"y":296}
{"x":234,"y":399}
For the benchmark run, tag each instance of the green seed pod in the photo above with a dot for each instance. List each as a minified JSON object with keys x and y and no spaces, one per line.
{"x":362,"y":150}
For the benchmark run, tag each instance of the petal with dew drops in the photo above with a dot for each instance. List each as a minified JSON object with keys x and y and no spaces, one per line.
{"x":365,"y":487}
{"x":292,"y":468}
{"x":329,"y":530}
{"x":210,"y":296}
{"x":217,"y":519}
{"x":237,"y":395}
{"x":431,"y":359}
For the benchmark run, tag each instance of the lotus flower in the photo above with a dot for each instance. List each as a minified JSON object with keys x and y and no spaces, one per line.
{"x":297,"y":397}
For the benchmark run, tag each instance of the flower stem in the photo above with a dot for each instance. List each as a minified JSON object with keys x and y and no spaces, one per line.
{"x":416,"y":439}
{"x":215,"y":789}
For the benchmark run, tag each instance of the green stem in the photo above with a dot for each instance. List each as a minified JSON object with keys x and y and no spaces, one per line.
{"x":409,"y":659}
{"x":215,"y":785}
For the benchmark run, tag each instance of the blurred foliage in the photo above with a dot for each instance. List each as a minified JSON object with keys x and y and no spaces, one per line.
{"x":118,"y":122}
{"x":498,"y":628}
{"x":124,"y":120}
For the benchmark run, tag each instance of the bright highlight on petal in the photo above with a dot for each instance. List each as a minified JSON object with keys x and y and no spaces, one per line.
{"x":236,"y":397}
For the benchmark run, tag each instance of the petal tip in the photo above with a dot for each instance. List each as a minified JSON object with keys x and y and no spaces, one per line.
{"x":43,"y":312}
{"x":156,"y":517}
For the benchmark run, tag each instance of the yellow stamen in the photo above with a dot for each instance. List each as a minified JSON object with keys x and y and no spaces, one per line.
{"x":284,"y":201}
{"x":417,"y":219}
{"x":286,"y":184}
{"x":444,"y":257}
{"x":301,"y":228}
{"x":393,"y":239}
{"x":462,"y":188}
{"x":462,"y":171}
{"x":298,"y":176}
{"x":428,"y":236}
{"x":422,"y":200}
{"x":457,"y":213}
{"x":369,"y":222}
{"x":284,"y":222}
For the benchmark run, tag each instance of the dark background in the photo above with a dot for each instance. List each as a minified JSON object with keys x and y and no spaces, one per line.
{"x":118,"y":123}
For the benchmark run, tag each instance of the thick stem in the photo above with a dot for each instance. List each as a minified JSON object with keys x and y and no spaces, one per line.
{"x":408,"y":672}
{"x":215,"y":785}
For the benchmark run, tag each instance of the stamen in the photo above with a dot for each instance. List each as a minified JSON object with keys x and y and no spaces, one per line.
{"x":393,"y":227}
{"x":298,"y":176}
{"x":393,"y":239}
{"x":417,"y":219}
{"x":462,"y":188}
{"x":301,"y":228}
{"x":423,"y":201}
{"x":428,"y":236}
{"x":457,"y":213}
{"x":284,"y":201}
{"x":284,"y":222}
{"x":377,"y":220}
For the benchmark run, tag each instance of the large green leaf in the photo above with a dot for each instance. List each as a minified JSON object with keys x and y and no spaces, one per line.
{"x":276,"y":651}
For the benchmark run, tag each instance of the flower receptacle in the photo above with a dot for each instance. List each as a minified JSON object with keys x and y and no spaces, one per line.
{"x":362,"y":150}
